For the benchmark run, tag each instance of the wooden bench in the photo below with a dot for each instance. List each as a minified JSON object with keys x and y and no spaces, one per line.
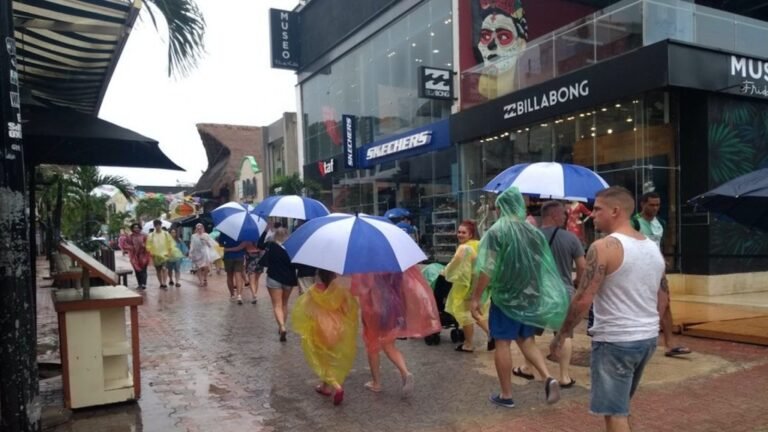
{"x":122,"y":274}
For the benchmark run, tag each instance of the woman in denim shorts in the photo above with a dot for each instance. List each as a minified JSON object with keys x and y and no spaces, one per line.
{"x":281,"y":278}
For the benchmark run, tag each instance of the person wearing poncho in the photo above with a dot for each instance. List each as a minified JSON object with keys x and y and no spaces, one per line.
{"x":394,"y":305}
{"x":160,"y":245}
{"x":516,"y":270}
{"x":326,"y":319}
{"x":459,"y":273}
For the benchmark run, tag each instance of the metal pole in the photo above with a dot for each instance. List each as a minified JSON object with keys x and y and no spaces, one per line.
{"x":19,"y":391}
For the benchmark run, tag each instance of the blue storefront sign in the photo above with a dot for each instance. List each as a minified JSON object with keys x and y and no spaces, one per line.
{"x":350,"y":137}
{"x":416,"y":141}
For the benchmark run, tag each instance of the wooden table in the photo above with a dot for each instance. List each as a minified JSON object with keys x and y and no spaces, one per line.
{"x":95,"y":350}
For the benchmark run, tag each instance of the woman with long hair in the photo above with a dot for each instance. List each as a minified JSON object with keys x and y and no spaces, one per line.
{"x":281,"y":278}
{"x":136,"y":245}
{"x":459,"y":272}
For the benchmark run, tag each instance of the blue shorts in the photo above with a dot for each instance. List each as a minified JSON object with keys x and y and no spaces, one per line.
{"x":616,"y":370}
{"x":503,"y":327}
{"x":173,"y":265}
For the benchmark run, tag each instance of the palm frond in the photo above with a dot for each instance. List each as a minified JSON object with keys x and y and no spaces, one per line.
{"x":186,"y":30}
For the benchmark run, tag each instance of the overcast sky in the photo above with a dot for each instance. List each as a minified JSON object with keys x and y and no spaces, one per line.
{"x":233,"y":84}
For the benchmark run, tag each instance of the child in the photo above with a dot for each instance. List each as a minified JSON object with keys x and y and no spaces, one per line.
{"x":326,"y":319}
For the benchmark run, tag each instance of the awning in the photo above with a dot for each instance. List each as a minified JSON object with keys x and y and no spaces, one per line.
{"x":66,"y":137}
{"x":67,"y":50}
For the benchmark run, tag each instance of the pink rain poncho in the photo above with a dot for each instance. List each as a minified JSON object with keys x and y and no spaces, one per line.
{"x":524,"y":281}
{"x":395,"y":305}
{"x":459,"y":273}
{"x":326,"y":319}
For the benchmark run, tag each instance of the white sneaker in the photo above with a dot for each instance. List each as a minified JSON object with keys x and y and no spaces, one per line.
{"x":239,"y":300}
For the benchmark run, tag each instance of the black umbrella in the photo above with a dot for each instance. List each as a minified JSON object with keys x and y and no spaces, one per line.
{"x":63,"y":136}
{"x":743,"y":199}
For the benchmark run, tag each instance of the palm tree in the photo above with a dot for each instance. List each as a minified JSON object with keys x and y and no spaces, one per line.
{"x":186,"y":28}
{"x":293,"y":185}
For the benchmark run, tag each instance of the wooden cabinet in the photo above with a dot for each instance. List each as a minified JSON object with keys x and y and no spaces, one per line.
{"x":99,"y":355}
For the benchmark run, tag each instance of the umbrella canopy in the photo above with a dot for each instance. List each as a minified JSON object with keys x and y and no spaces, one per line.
{"x":348,"y":244}
{"x":396,"y":213}
{"x":549,"y":180}
{"x":238,"y":222}
{"x":149,"y":226}
{"x":743,"y":199}
{"x":291,"y":206}
{"x":66,"y":137}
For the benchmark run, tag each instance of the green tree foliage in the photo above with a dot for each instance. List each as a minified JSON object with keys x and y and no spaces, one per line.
{"x":293,"y":185}
{"x":186,"y":30}
{"x":150,"y":208}
{"x":116,"y":221}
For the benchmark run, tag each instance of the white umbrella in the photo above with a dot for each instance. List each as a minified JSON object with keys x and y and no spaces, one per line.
{"x":149,"y":226}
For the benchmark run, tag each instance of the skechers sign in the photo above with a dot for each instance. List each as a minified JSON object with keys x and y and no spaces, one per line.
{"x":414,"y":142}
{"x":284,"y":35}
{"x":547,"y":99}
{"x":350,"y":135}
{"x":399,"y":145}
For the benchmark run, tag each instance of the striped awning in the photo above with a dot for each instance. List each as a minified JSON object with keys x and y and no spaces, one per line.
{"x":67,"y":50}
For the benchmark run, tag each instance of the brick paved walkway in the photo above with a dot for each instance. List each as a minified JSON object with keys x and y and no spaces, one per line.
{"x":212,"y":365}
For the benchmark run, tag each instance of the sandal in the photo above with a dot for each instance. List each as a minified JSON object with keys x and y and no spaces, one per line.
{"x":369,"y":386}
{"x":677,"y":351}
{"x":518,"y":372}
{"x":323,"y":390}
{"x":569,"y":385}
{"x":338,"y":396}
{"x":460,"y":348}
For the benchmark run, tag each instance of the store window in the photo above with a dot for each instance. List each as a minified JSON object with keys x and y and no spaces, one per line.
{"x":377,"y":82}
{"x":630,"y":142}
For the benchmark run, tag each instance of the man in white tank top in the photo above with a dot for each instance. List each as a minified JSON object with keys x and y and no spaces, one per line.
{"x":625,"y":278}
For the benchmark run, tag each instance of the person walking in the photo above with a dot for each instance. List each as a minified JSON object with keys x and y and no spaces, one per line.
{"x":234,"y":265}
{"x":394,"y":305}
{"x":281,"y":278}
{"x":160,"y":245}
{"x":326,"y":319}
{"x":516,"y":266}
{"x":650,"y":225}
{"x":568,"y":252}
{"x":625,"y":279}
{"x":253,"y":269}
{"x":136,"y":245}
{"x":179,"y":253}
{"x":459,"y":273}
{"x":202,"y":253}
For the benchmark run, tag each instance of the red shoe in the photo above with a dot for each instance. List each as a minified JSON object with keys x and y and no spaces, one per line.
{"x":323,"y":390}
{"x":338,"y":396}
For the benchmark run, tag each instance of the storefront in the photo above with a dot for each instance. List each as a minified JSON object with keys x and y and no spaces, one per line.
{"x":693,"y":119}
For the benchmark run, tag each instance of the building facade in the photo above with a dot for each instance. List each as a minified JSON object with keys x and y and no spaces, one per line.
{"x":664,"y":95}
{"x":281,"y":149}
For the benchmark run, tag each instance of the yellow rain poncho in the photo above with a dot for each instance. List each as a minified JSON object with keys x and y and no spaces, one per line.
{"x":327,"y":320}
{"x":459,"y":273}
{"x":161,"y":246}
{"x":524,"y":281}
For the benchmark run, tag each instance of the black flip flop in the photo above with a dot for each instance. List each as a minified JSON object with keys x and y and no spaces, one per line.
{"x":677,"y":351}
{"x":569,"y":385}
{"x":460,"y":348}
{"x":519,"y":373}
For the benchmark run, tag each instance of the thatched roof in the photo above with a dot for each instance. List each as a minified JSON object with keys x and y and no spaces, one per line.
{"x":226,"y":146}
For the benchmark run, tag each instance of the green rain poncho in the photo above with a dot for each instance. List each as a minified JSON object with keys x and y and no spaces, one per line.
{"x":524,"y":281}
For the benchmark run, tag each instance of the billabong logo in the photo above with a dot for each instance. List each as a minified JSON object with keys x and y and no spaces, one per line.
{"x":547,"y":99}
{"x":326,"y":168}
{"x":436,"y":83}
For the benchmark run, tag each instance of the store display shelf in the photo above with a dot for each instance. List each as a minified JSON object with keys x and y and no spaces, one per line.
{"x":119,"y":383}
{"x":115,"y":348}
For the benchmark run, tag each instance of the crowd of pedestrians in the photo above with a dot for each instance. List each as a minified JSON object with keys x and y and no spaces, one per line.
{"x":514,"y":283}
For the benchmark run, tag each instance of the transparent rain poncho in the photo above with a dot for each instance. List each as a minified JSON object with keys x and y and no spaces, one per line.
{"x":395,"y":305}
{"x":327,"y":320}
{"x":524,"y":281}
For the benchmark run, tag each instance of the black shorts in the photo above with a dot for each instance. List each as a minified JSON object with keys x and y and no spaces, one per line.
{"x":233,"y":265}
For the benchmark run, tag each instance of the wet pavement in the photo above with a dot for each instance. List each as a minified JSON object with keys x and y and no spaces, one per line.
{"x":209,"y":364}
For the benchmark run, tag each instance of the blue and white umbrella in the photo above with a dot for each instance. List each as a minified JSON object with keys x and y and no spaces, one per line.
{"x":348,"y":244}
{"x":550,"y":180}
{"x":396,"y":213}
{"x":291,"y":206}
{"x":238,"y":222}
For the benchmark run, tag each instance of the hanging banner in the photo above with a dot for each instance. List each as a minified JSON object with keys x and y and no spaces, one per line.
{"x":284,"y":39}
{"x":350,"y":134}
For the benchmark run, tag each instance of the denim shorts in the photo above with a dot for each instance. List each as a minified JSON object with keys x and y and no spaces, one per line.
{"x":503,"y":327}
{"x":616,"y":371}
{"x":273,"y":284}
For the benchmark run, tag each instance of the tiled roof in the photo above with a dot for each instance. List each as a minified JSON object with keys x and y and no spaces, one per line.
{"x":226,"y":146}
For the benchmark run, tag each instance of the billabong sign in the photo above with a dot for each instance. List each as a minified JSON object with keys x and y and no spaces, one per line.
{"x":350,"y":134}
{"x":435,"y":83}
{"x":284,"y":35}
{"x":547,"y":99}
{"x":326,"y":167}
{"x":399,"y":145}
